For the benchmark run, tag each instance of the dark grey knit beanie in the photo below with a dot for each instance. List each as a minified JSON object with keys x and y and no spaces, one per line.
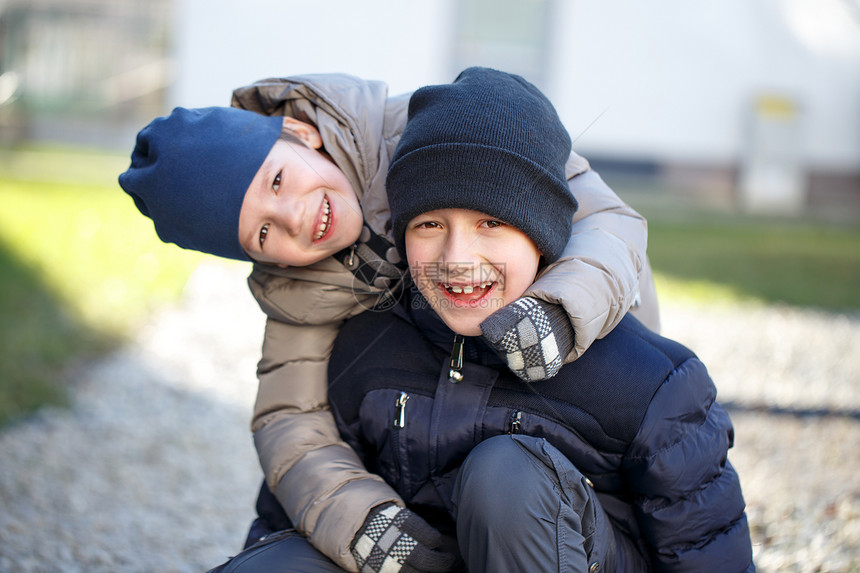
{"x":490,"y":142}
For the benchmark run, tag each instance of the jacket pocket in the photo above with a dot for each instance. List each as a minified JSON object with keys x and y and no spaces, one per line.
{"x":395,"y":423}
{"x":400,"y":441}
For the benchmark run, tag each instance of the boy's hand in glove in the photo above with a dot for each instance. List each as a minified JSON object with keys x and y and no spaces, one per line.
{"x":531,"y":335}
{"x":394,"y":539}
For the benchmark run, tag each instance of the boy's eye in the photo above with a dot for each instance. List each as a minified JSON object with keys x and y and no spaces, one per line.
{"x":276,"y":184}
{"x":427,"y":225}
{"x":263,"y":232}
{"x":494,"y":224}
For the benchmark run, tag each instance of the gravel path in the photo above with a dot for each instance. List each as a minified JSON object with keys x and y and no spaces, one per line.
{"x":153,"y":468}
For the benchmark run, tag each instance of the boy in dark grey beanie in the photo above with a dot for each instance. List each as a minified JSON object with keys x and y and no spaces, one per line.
{"x":618,"y":463}
{"x":493,"y":140}
{"x":490,"y":139}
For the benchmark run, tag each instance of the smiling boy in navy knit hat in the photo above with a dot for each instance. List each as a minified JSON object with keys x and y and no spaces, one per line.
{"x":204,"y":177}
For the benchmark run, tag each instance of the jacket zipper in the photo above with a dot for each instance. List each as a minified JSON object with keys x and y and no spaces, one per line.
{"x":350,"y":262}
{"x":454,"y":374}
{"x":399,"y":438}
{"x":400,"y":416}
{"x":516,"y":422}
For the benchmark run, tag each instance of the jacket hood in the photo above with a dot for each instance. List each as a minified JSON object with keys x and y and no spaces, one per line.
{"x":359,"y":125}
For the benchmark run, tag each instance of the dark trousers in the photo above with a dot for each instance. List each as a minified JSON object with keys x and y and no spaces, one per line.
{"x":519,"y":504}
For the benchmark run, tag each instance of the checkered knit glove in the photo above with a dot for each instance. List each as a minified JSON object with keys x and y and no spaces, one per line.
{"x":394,"y":539}
{"x":531,"y":335}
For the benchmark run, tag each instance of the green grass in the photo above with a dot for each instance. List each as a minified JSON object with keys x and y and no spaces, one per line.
{"x":80,"y":268}
{"x":734,"y":258}
{"x":96,"y":253}
{"x":38,"y":339}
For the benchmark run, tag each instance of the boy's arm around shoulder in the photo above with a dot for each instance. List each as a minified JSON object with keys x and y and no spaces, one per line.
{"x":604,"y":270}
{"x":687,"y":495}
{"x":318,"y":479}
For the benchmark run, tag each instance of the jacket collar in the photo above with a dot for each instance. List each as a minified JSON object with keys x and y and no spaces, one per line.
{"x":416,"y":310}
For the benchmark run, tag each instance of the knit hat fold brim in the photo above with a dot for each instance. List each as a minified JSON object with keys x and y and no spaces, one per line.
{"x":489,"y":142}
{"x":474,"y":176}
{"x":190,"y":170}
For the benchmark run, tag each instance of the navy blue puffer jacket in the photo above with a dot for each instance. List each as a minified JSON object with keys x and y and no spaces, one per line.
{"x":636,"y":414}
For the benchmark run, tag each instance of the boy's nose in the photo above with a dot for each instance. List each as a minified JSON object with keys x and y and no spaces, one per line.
{"x":292,"y":217}
{"x":459,"y":249}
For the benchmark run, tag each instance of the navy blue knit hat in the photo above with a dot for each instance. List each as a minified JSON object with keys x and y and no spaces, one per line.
{"x":490,"y":142}
{"x":190,"y":170}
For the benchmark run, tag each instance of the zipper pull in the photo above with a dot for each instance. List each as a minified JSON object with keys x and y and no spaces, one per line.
{"x":400,"y":419}
{"x":454,"y":374}
{"x":516,"y":422}
{"x":350,"y":262}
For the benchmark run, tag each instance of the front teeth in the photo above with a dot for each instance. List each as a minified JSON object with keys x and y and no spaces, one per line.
{"x":324,"y":223}
{"x":466,"y":289}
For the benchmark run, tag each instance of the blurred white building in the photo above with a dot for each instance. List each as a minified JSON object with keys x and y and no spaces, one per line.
{"x":754,"y":102}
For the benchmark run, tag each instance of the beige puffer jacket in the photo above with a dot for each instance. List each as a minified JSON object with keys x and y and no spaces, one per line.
{"x":317,"y":478}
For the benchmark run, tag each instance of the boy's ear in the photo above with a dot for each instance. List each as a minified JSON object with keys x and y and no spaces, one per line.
{"x":304,"y":132}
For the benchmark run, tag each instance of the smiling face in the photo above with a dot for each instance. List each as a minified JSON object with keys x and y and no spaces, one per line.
{"x":468,"y":264}
{"x":300,"y":208}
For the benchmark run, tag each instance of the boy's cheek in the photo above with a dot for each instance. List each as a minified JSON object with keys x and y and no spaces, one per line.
{"x":426,"y":288}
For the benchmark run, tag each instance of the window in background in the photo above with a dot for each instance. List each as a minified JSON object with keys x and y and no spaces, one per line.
{"x":82,"y":66}
{"x":510,"y":35}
